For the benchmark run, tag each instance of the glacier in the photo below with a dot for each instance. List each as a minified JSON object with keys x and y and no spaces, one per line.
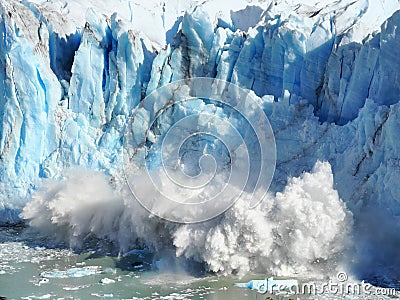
{"x":325,"y":74}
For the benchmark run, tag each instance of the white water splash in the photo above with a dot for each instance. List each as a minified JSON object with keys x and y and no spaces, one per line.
{"x":302,"y":230}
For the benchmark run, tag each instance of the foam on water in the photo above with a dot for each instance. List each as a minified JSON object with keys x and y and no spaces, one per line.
{"x":302,"y":230}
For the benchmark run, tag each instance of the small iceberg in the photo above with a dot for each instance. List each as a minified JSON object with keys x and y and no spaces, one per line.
{"x":107,"y":281}
{"x":269,"y":285}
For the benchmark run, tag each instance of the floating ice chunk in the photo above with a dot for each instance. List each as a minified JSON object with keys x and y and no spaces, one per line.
{"x":42,"y":281}
{"x":46,"y":296}
{"x":75,"y":288}
{"x":103,"y":296}
{"x":107,"y":281}
{"x":73,"y":272}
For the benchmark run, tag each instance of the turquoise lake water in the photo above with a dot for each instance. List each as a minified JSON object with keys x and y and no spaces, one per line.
{"x":29,"y":270}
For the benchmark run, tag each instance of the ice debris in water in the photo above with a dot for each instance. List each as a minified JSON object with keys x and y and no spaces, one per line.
{"x":107,"y":281}
{"x":72,"y":272}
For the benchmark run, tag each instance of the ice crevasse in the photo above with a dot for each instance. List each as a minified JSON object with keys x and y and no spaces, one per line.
{"x":325,"y":74}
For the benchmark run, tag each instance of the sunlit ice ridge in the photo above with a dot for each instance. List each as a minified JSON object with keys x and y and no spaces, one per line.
{"x":325,"y":74}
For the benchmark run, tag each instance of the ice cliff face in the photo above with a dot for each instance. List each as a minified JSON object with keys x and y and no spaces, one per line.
{"x":327,"y":76}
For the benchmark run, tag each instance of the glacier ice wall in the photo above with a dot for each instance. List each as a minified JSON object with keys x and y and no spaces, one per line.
{"x":327,"y":77}
{"x":30,"y":96}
